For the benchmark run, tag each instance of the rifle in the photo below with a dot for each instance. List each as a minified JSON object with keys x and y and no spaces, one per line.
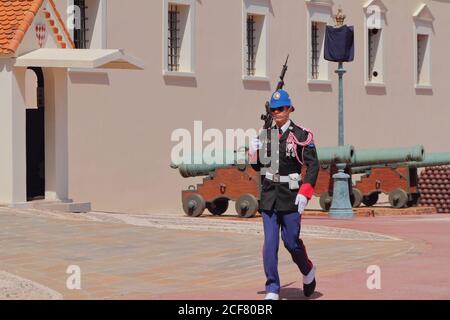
{"x":267,"y":118}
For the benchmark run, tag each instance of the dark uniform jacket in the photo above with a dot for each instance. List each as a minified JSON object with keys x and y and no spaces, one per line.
{"x":278,"y":196}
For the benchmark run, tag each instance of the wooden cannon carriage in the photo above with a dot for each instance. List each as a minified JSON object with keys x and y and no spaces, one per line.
{"x":394,"y":182}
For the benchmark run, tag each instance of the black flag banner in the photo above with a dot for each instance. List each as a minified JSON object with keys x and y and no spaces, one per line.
{"x":339,"y":44}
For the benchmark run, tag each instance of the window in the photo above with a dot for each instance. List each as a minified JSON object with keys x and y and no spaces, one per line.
{"x":375,"y":23}
{"x":174,"y":37}
{"x":255,"y":40}
{"x":319,"y":67}
{"x":375,"y":73}
{"x":423,"y":31}
{"x":251,"y":50}
{"x":423,"y":60}
{"x":178,"y":37}
{"x":319,"y":15}
{"x":88,"y":27}
{"x":255,"y":25}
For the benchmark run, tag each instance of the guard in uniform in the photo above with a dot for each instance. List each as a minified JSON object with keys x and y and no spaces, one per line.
{"x":285,"y":195}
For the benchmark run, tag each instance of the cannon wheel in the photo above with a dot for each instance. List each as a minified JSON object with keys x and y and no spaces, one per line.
{"x":371,"y":199}
{"x":218,"y":206}
{"x":356,"y":198}
{"x":398,"y":198}
{"x":325,"y":201}
{"x":194,"y":205}
{"x":413,"y":199}
{"x":247,"y":206}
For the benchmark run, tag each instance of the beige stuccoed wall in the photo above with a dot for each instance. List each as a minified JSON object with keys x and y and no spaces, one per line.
{"x":120,"y":122}
{"x":56,"y":134}
{"x":12,"y":134}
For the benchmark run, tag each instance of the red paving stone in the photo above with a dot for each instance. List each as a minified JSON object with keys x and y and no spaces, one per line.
{"x":423,"y":274}
{"x":124,"y":261}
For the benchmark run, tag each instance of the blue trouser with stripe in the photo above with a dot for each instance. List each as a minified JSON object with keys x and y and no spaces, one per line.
{"x":290,"y":233}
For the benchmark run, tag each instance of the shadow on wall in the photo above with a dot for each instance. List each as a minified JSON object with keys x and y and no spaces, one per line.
{"x":320,"y":87}
{"x":424,"y":92}
{"x":81,"y":77}
{"x":376,"y":91}
{"x":189,"y":82}
{"x":256,"y":85}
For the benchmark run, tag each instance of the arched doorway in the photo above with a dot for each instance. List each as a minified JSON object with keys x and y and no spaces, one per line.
{"x":35,"y":142}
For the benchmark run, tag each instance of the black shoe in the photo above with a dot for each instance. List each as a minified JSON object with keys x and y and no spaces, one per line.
{"x":308,"y":289}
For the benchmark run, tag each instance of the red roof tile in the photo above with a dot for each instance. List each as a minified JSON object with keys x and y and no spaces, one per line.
{"x":16,"y":16}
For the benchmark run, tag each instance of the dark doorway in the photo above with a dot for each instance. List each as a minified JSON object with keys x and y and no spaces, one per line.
{"x":36,"y":142}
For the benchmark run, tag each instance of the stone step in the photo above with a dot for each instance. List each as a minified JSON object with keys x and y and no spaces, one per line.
{"x":55,"y":205}
{"x":74,"y":207}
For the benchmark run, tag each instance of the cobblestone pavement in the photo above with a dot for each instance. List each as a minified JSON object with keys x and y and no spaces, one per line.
{"x":14,"y":288}
{"x":171,"y":256}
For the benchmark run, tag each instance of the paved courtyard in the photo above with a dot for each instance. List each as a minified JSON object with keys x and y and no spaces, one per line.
{"x":171,"y":256}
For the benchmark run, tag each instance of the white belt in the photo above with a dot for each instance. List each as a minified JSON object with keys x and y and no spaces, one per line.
{"x":277,"y":178}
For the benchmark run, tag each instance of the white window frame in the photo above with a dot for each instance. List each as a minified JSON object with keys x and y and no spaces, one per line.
{"x":423,"y":25}
{"x":260,"y":8}
{"x":99,"y":36}
{"x":374,"y":18}
{"x":317,"y":11}
{"x":187,"y":61}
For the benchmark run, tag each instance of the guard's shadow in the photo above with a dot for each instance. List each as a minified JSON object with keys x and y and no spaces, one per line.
{"x":297,"y":294}
{"x":287,"y":293}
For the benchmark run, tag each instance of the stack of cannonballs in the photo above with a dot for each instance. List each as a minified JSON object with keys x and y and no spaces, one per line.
{"x":434,"y":187}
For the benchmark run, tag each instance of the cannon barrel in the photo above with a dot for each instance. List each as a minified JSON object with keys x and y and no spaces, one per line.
{"x":386,"y":156}
{"x":334,"y":155}
{"x":326,"y":156}
{"x":356,"y":158}
{"x":198,"y":170}
{"x":429,"y":160}
{"x":432,"y":160}
{"x":230,"y":159}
